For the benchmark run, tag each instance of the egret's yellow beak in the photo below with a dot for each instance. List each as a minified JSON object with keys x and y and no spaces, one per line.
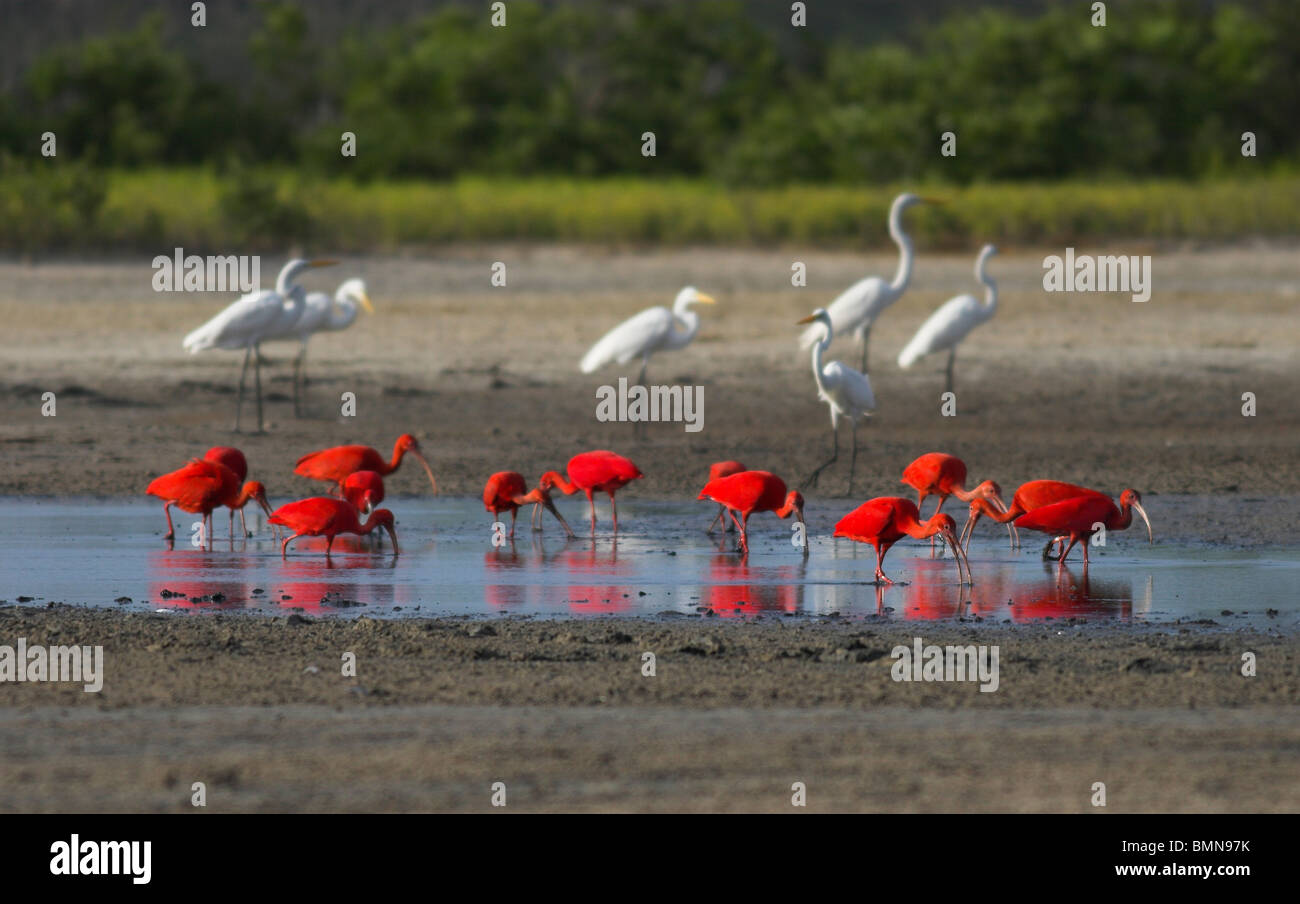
{"x":365,"y":303}
{"x":809,"y":319}
{"x":701,"y":298}
{"x":322,"y":262}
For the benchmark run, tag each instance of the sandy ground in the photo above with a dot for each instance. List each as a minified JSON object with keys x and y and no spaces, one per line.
{"x":560,"y":712}
{"x":1090,"y":388}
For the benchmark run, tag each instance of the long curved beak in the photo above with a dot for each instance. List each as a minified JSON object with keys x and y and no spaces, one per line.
{"x":420,"y":456}
{"x":392,"y":535}
{"x":365,"y":303}
{"x":550,"y":507}
{"x":1137,"y":507}
{"x":963,"y":564}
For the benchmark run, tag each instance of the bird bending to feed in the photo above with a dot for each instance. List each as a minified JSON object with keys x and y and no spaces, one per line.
{"x":884,"y":521}
{"x":506,"y":491}
{"x":847,"y":393}
{"x":324,"y":516}
{"x":1035,"y":495}
{"x":754,"y":491}
{"x":1081,"y":517}
{"x":597,"y":471}
{"x":723,"y":469}
{"x":251,"y":320}
{"x":938,"y":474}
{"x":653,"y":330}
{"x":233,"y":459}
{"x":858,"y":306}
{"x":954,"y":320}
{"x":323,"y":313}
{"x":364,"y":489}
{"x":202,"y":486}
{"x":336,"y":463}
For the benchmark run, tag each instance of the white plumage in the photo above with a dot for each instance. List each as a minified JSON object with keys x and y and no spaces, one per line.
{"x":322,"y":313}
{"x":653,"y":330}
{"x":857,"y":307}
{"x":844,"y":390}
{"x":954,"y":320}
{"x":252,"y":319}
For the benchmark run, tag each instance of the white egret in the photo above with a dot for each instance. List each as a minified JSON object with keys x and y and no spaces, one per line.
{"x":248,"y":321}
{"x":654,"y":329}
{"x":847,"y":392}
{"x":323,"y":313}
{"x":954,"y":320}
{"x":858,"y":306}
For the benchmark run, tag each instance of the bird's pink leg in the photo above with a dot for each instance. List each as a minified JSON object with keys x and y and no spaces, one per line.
{"x":243,"y":524}
{"x":329,"y":544}
{"x":284,"y":547}
{"x":1073,"y":539}
{"x":592,"y":504}
{"x":880,"y":560}
{"x":744,"y":533}
{"x":514,"y":513}
{"x":614,"y":506}
{"x":171,"y":531}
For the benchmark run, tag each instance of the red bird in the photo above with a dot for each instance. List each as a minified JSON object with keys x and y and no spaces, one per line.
{"x":1082,"y":516}
{"x":233,"y":459}
{"x":335,"y":464}
{"x":202,"y":486}
{"x":506,"y":491}
{"x":937,"y":474}
{"x":323,"y":516}
{"x":723,"y":469}
{"x":364,"y":489}
{"x":590,"y":472}
{"x":754,"y":491}
{"x":1034,"y":495}
{"x":884,"y":521}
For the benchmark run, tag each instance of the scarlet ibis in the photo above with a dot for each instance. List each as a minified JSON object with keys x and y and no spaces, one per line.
{"x":507,"y":491}
{"x":952,"y":323}
{"x":233,"y":459}
{"x":202,"y":486}
{"x":596,"y":471}
{"x":858,"y":306}
{"x":336,"y":463}
{"x":753,"y":491}
{"x":723,"y":469}
{"x":884,"y":521}
{"x":324,"y":516}
{"x":1082,"y":516}
{"x":1034,"y":495}
{"x":845,"y":391}
{"x":364,"y":489}
{"x":942,"y":475}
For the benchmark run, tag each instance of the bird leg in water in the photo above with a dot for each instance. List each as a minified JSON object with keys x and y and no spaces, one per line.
{"x":864,"y":336}
{"x":1047,"y":550}
{"x":835,"y":454}
{"x":171,"y":531}
{"x":952,"y":357}
{"x":613,"y":505}
{"x":243,"y":372}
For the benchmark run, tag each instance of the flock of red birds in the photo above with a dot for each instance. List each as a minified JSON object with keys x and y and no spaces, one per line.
{"x":1068,"y":513}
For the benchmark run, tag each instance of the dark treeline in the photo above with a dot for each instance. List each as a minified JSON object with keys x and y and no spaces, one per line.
{"x":1166,"y":88}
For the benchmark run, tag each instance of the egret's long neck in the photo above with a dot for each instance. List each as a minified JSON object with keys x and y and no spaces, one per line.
{"x":904,"y":273}
{"x":689,"y":323}
{"x":284,"y":282}
{"x":990,"y":288}
{"x":342,"y":312}
{"x":817,"y":352}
